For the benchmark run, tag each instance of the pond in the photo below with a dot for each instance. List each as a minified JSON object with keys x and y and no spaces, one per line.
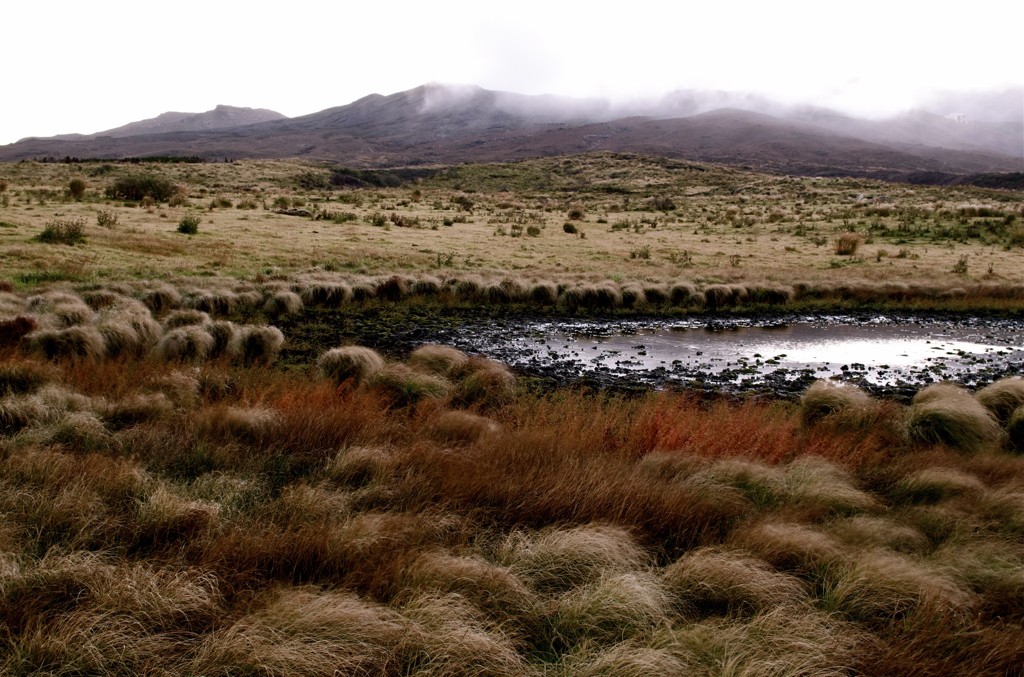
{"x":881,"y":353}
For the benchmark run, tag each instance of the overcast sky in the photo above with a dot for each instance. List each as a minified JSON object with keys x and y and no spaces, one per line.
{"x":74,"y":66}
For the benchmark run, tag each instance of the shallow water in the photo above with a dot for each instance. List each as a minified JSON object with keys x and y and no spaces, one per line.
{"x":876,"y":351}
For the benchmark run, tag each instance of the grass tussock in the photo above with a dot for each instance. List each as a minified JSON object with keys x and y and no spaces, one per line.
{"x":165,"y":518}
{"x":350,"y":363}
{"x":844,"y":401}
{"x":714,"y":580}
{"x":945,"y":414}
{"x":1003,"y":397}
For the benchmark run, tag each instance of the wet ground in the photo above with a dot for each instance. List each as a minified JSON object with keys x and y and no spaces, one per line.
{"x":892,"y":355}
{"x":884,"y":354}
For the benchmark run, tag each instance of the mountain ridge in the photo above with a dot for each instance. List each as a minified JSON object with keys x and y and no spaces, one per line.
{"x":444,"y":124}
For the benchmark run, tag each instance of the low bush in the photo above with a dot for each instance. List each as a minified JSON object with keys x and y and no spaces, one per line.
{"x":189,"y":225}
{"x":140,"y":186}
{"x":63,"y":231}
{"x":77,"y":188}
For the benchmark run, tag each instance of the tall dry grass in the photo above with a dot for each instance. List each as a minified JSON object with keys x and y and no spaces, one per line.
{"x":223,"y":518}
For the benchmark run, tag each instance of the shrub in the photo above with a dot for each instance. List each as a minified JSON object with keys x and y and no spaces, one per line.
{"x":77,"y":188}
{"x":349,"y":362}
{"x":575,"y":214}
{"x":189,"y":225}
{"x":1003,"y":397}
{"x":569,"y":228}
{"x":847,"y":244}
{"x":63,"y":231}
{"x":946,"y":414}
{"x":137,"y":187}
{"x":106,"y":218}
{"x":533,"y":231}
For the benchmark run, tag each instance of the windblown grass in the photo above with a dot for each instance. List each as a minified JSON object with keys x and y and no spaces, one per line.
{"x":164,"y":518}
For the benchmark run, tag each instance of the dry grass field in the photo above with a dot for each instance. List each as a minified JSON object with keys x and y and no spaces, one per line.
{"x":637,"y":219}
{"x":175,"y":501}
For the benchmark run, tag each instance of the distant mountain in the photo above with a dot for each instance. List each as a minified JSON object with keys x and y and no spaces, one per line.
{"x":442,"y":124}
{"x":221,"y":117}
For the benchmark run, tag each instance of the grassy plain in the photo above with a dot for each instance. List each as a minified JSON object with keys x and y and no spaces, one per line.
{"x":175,"y":503}
{"x":639,"y":219}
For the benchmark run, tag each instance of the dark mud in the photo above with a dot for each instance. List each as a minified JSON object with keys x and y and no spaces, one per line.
{"x":773,"y":355}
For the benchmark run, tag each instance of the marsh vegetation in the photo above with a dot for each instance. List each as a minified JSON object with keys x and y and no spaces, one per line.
{"x":205,"y":471}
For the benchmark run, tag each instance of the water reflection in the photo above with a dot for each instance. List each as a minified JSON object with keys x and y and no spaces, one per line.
{"x":880,"y":350}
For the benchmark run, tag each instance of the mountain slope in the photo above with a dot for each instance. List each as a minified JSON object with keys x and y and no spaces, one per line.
{"x":439,"y":124}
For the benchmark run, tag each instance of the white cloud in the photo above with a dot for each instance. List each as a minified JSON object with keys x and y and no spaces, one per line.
{"x":95,"y":66}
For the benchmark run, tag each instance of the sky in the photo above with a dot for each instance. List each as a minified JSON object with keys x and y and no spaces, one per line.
{"x":89,"y":66}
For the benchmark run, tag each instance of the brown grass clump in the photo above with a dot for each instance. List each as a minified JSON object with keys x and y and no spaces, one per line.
{"x":825,"y":398}
{"x":543,"y":292}
{"x":492,"y":589}
{"x":75,"y":342}
{"x":788,"y":545}
{"x":719,"y":296}
{"x":463,"y":426}
{"x":350,"y":362}
{"x":139,"y":408}
{"x":283,"y":303}
{"x":164,"y":297}
{"x":847,"y":244}
{"x":189,"y":343}
{"x":131,"y":334}
{"x":715,"y":580}
{"x":1015,"y":430}
{"x":185,"y":318}
{"x":257,"y":343}
{"x":328,"y":295}
{"x":881,"y":586}
{"x":302,"y":631}
{"x":614,"y":608}
{"x":13,"y":329}
{"x":1003,"y":397}
{"x":945,"y":414}
{"x":561,"y":559}
{"x":394,"y":288}
{"x":486,"y":381}
{"x":252,"y":423}
{"x":225,"y":335}
{"x":23,"y":378}
{"x":213,"y":301}
{"x":407,"y":386}
{"x":438,"y":359}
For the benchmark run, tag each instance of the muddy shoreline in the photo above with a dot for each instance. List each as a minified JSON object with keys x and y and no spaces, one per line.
{"x":511,"y":335}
